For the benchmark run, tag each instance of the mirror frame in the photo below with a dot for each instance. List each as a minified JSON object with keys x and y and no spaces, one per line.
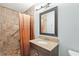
{"x":56,"y":21}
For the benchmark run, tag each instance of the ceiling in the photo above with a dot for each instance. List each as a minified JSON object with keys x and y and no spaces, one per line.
{"x":20,"y":7}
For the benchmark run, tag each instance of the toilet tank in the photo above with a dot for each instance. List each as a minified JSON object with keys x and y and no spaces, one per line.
{"x":73,"y":53}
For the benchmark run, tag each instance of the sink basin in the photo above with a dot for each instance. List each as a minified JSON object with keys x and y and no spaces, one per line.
{"x":42,"y":42}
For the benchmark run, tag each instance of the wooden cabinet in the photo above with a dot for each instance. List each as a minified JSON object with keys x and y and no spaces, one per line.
{"x":36,"y":50}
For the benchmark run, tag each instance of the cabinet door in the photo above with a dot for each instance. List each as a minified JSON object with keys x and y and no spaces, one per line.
{"x":37,"y":51}
{"x":41,"y":53}
{"x":34,"y":52}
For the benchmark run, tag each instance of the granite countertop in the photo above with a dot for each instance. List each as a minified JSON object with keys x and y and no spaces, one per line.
{"x":46,"y":44}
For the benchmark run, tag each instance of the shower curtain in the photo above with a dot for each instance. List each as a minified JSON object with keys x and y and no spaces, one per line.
{"x":26,"y":32}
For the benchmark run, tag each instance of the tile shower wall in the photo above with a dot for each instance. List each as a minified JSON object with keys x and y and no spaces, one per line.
{"x":9,"y":34}
{"x":30,"y":11}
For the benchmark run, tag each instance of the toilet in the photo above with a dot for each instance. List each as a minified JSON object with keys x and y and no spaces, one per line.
{"x":73,"y":53}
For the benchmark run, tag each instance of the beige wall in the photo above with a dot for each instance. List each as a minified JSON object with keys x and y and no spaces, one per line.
{"x":9,"y":34}
{"x":30,"y":11}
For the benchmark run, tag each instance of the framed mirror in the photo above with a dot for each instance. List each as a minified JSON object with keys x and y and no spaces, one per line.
{"x":49,"y":22}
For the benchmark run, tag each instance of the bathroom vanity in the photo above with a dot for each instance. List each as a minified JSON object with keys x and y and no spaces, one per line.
{"x":47,"y":43}
{"x":44,"y":46}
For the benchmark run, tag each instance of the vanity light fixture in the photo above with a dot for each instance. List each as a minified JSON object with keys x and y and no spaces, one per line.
{"x":45,"y":6}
